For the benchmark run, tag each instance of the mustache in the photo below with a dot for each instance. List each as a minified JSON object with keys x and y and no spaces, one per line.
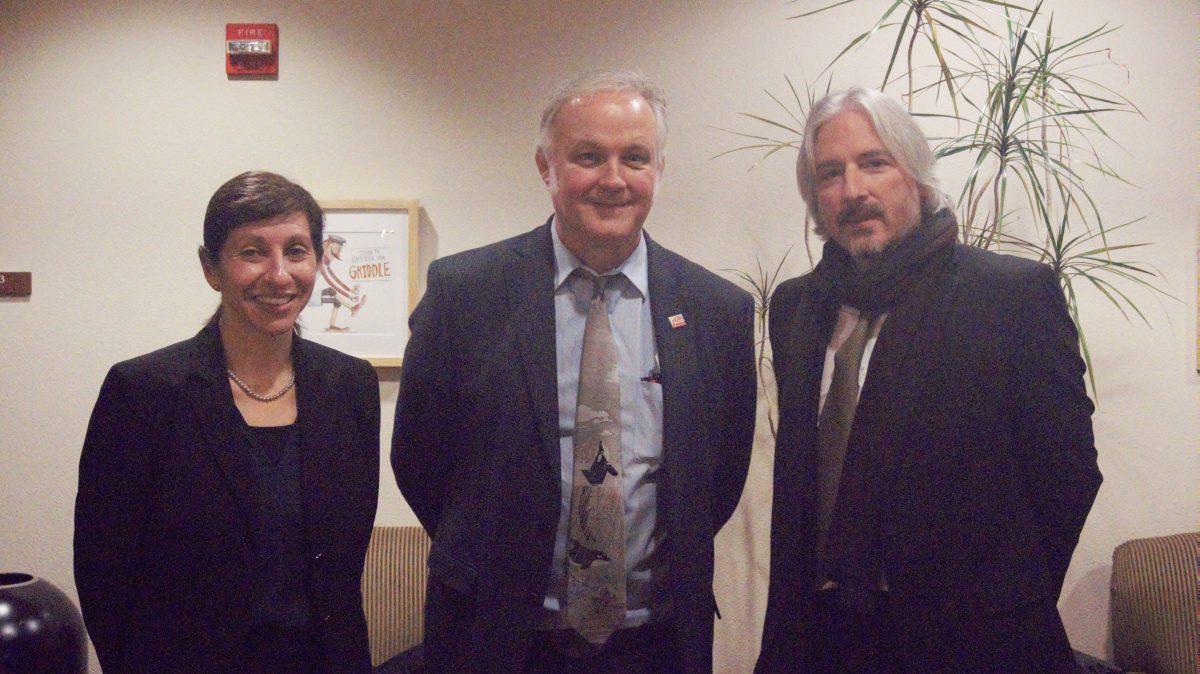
{"x":859,"y":212}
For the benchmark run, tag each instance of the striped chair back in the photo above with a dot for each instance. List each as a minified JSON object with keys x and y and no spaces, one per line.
{"x":393,"y":588}
{"x":1154,"y":604}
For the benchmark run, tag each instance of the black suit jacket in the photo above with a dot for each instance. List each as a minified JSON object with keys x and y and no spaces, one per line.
{"x":476,"y":450}
{"x":975,"y":403}
{"x":162,"y":538}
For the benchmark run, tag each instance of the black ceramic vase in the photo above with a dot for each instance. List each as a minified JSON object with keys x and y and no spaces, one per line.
{"x":40,"y":629}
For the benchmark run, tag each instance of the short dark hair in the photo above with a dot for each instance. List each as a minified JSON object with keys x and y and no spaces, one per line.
{"x":254,"y":196}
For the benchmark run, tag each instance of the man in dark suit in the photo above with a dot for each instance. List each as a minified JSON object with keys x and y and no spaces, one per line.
{"x":925,"y":525}
{"x":571,"y":534}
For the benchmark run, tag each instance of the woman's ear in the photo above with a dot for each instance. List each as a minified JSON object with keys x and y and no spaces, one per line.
{"x":210,"y":268}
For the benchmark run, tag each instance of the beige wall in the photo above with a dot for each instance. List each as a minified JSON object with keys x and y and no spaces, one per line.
{"x":117,"y":122}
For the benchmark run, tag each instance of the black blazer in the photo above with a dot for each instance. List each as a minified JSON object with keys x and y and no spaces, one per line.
{"x":975,"y":401}
{"x":476,"y":452}
{"x":161,"y":535}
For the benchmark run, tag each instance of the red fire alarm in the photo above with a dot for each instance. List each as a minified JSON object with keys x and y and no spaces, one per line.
{"x":251,"y":49}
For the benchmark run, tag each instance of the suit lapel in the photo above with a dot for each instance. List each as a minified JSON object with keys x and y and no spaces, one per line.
{"x":218,"y":420}
{"x":813,"y":320}
{"x":676,"y":344}
{"x":895,"y":373}
{"x":684,"y":464}
{"x":530,"y":283}
{"x":318,"y":402}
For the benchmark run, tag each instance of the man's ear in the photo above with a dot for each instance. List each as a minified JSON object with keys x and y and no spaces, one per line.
{"x":210,"y":268}
{"x":925,"y":200}
{"x":543,"y":164}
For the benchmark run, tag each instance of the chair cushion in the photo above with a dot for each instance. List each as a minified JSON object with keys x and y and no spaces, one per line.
{"x":393,"y":588}
{"x":1154,"y":604}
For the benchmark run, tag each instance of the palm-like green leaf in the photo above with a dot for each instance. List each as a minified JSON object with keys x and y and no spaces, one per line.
{"x":1030,"y":120}
{"x":762,"y":285}
{"x":921,"y":22}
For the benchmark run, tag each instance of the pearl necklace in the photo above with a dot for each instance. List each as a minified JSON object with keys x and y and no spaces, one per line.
{"x":258,"y":396}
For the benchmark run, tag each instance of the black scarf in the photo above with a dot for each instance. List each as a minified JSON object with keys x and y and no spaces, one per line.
{"x":880,"y":286}
{"x":853,"y":556}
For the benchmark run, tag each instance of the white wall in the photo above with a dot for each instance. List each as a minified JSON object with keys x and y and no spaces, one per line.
{"x":117,"y":123}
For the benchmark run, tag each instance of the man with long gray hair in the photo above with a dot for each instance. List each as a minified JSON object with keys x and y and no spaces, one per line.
{"x":575,"y":417}
{"x":926,"y":524}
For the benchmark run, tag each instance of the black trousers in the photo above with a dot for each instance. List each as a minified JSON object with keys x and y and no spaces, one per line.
{"x":649,"y":649}
{"x":832,"y":639}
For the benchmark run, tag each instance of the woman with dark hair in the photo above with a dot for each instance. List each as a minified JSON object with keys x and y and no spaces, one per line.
{"x":228,"y":483}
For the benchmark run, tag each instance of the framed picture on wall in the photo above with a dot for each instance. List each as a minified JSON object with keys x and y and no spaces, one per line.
{"x":367,"y":280}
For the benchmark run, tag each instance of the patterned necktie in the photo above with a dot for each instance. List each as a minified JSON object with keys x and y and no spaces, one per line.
{"x":596,"y":549}
{"x":833,"y":427}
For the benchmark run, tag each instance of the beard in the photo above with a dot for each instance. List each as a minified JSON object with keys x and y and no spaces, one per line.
{"x":870,"y":246}
{"x":868,"y":250}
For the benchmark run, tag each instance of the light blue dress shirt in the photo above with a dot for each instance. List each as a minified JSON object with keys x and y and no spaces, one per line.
{"x":641,"y":427}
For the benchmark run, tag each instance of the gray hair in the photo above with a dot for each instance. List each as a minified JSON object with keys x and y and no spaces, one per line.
{"x":897,"y":131}
{"x":596,"y":81}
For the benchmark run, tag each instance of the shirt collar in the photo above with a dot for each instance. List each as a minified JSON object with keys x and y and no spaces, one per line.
{"x":635,"y":267}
